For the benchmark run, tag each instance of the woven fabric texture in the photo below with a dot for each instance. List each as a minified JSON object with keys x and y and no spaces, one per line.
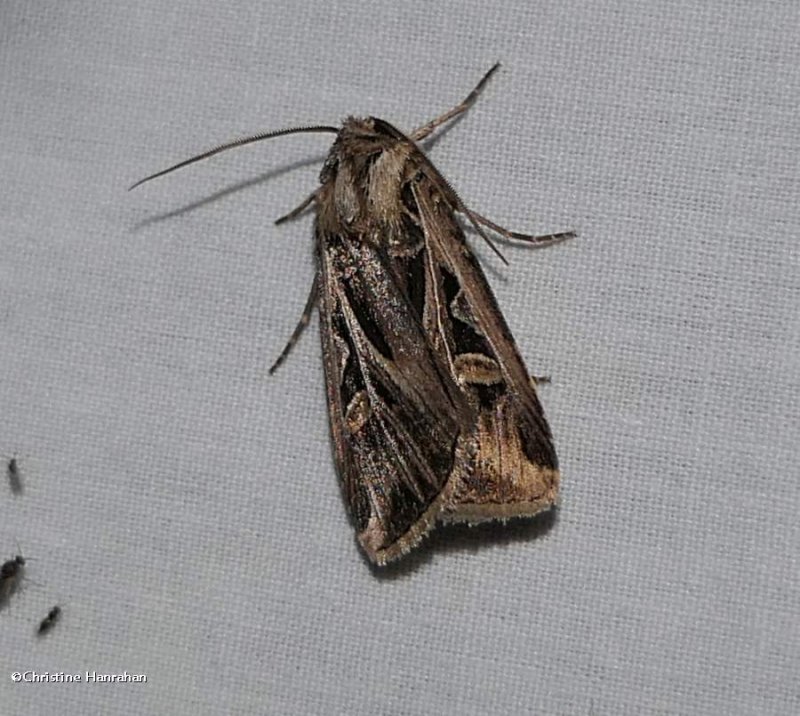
{"x":182,"y":506}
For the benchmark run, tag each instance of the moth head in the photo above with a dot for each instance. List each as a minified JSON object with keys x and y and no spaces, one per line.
{"x":357,"y":143}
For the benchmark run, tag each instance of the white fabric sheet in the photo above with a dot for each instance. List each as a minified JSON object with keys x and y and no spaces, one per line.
{"x":183,"y":507}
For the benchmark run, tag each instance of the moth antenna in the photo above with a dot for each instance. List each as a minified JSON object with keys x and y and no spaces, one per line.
{"x":232,"y":145}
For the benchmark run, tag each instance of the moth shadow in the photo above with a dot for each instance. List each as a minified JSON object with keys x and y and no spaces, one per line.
{"x":227,"y":191}
{"x":460,"y":537}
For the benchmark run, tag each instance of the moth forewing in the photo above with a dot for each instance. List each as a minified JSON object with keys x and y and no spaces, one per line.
{"x":515,"y":469}
{"x":398,"y":420}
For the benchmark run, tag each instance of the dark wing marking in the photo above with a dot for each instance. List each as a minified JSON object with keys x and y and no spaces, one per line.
{"x":515,"y":470}
{"x":396,"y":415}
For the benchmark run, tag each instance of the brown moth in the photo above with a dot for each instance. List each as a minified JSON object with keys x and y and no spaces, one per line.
{"x":433,"y":413}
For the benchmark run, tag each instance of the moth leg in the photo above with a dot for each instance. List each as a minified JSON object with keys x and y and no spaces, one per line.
{"x":539,"y":379}
{"x":426,"y":129}
{"x":313,"y":295}
{"x":294,"y":213}
{"x":543,"y":239}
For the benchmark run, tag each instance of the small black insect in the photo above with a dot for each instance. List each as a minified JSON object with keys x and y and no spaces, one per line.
{"x":14,"y":476}
{"x":10,"y":574}
{"x":11,"y":568}
{"x":50,"y":620}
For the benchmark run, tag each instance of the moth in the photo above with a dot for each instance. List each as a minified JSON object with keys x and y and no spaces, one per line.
{"x":49,"y":621}
{"x":433,"y":413}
